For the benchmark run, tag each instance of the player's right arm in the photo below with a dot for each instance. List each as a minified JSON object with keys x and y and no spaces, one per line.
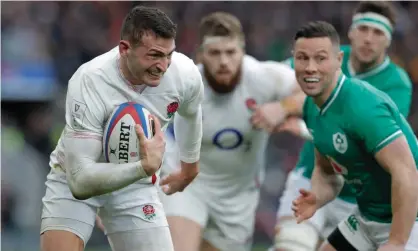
{"x":293,"y":104}
{"x":326,"y":184}
{"x":188,"y":133}
{"x":85,"y":118}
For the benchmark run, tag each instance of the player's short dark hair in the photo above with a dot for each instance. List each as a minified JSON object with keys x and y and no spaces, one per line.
{"x":141,"y":19}
{"x":221,"y":24}
{"x":317,"y":29}
{"x":385,"y":9}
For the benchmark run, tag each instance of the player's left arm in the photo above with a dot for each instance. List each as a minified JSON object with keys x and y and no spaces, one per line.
{"x":396,"y":158}
{"x":288,"y":98}
{"x":383,"y":137}
{"x":188,"y":131}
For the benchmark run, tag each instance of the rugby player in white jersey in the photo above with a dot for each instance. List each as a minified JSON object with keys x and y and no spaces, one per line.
{"x":143,"y":68}
{"x":219,"y":205}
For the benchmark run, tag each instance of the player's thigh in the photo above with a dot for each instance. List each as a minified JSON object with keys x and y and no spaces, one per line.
{"x":134,"y":207}
{"x":64,"y":216}
{"x":187,"y":215}
{"x":231,"y":221}
{"x":186,"y":233}
{"x":351,"y":235}
{"x":150,"y":239}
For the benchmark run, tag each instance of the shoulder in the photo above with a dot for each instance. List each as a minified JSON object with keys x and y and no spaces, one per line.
{"x":95,"y":70}
{"x":182,"y":64}
{"x":276,"y":68}
{"x":398,"y":77}
{"x":184,"y":69}
{"x":269,"y":67}
{"x":361,"y":99}
{"x":273,"y":75}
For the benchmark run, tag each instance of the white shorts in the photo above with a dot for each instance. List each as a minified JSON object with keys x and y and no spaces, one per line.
{"x":227,"y":222}
{"x":325,"y":219}
{"x":132,"y":208}
{"x":365,"y":235}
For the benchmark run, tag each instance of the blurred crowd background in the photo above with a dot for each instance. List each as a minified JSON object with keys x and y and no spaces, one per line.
{"x":43,"y":43}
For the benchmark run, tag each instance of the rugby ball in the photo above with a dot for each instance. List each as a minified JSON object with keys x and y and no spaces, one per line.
{"x":120,"y":141}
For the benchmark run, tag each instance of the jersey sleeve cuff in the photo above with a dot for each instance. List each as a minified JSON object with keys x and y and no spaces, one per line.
{"x":190,"y":157}
{"x":387,"y":141}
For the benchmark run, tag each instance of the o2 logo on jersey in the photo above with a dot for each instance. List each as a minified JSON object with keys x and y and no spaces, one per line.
{"x":228,"y":139}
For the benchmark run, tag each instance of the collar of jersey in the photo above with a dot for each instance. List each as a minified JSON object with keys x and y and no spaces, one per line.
{"x":334,"y":94}
{"x":369,"y":73}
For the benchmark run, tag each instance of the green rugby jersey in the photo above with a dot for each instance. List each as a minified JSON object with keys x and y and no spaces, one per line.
{"x":355,"y":123}
{"x":387,"y":77}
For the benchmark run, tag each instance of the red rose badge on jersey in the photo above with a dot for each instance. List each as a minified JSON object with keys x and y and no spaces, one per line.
{"x":250,"y":103}
{"x":172,"y":108}
{"x":149,"y":212}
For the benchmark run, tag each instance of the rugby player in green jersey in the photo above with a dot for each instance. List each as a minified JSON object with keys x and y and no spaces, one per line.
{"x":361,"y":137}
{"x":367,"y":55}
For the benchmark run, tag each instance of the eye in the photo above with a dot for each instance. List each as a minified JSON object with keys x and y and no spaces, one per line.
{"x":230,"y":52}
{"x":214,"y":53}
{"x":378,"y":32}
{"x":301,"y":57}
{"x":363,"y":28}
{"x":320,"y":58}
{"x":154,"y":56}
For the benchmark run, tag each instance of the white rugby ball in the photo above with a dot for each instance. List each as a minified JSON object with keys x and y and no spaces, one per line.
{"x":120,"y":141}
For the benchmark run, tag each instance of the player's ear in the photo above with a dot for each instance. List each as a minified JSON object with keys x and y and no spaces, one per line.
{"x":387,"y":43}
{"x":123,"y":47}
{"x":350,"y":34}
{"x":340,"y":57}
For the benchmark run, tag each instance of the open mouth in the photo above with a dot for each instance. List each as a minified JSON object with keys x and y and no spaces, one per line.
{"x":155,"y":73}
{"x":311,"y":80}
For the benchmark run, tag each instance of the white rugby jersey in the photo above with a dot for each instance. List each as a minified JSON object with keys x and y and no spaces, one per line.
{"x":232,"y":152}
{"x":98,"y":86}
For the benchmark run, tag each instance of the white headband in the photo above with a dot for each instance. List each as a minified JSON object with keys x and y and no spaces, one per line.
{"x":214,"y":39}
{"x":374,"y":20}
